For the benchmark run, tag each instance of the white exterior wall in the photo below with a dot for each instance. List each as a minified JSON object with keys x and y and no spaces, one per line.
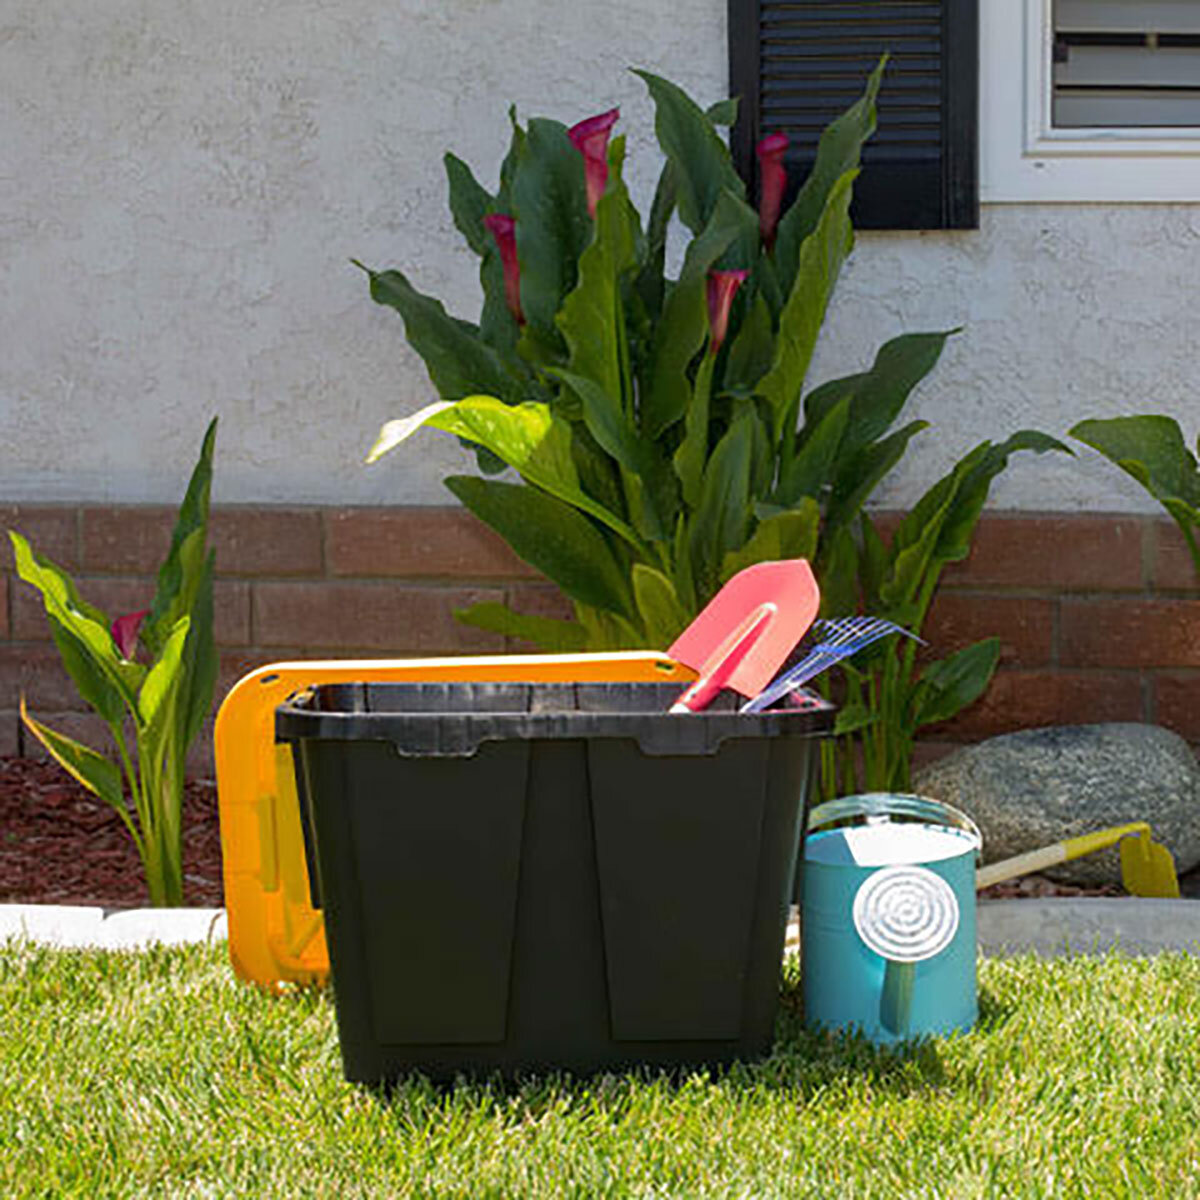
{"x":183,"y":184}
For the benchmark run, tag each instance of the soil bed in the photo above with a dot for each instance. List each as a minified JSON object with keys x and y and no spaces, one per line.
{"x":59,"y":844}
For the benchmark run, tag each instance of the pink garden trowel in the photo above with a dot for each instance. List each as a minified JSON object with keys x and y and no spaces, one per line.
{"x":747,"y":630}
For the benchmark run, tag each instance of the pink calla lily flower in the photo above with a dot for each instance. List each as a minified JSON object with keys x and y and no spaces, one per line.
{"x":125,"y":631}
{"x":722,"y":286}
{"x":772,"y":182}
{"x":590,"y":138}
{"x":504,"y":229}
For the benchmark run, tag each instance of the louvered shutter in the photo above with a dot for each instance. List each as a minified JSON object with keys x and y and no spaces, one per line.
{"x":1131,"y":63}
{"x":797,"y":64}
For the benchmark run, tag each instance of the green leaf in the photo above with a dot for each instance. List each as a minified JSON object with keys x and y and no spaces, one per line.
{"x":813,"y":466}
{"x":752,"y":349}
{"x":723,"y":514}
{"x":837,"y":569}
{"x":605,"y":420}
{"x":700,"y":160}
{"x":93,"y":684}
{"x":81,"y":633}
{"x":723,"y":112}
{"x":877,"y":396}
{"x":200,"y":661}
{"x":650,"y":282}
{"x":853,"y":717}
{"x":683,"y":328}
{"x":608,"y":631}
{"x":527,"y":436}
{"x":549,"y":202}
{"x":592,"y":322}
{"x":182,"y":569}
{"x":838,"y":152}
{"x":459,"y":362}
{"x":552,"y":636}
{"x":1151,"y":449}
{"x":160,"y":691}
{"x":470,"y":202}
{"x":863,"y":472}
{"x":551,"y":536}
{"x":938,"y":529}
{"x":100,"y":776}
{"x":821,"y":256}
{"x":948,"y":686}
{"x":664,"y":618}
{"x":785,"y":535}
{"x":692,"y":452}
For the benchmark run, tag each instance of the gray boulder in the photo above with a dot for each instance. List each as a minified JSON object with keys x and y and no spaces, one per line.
{"x":1030,"y":789}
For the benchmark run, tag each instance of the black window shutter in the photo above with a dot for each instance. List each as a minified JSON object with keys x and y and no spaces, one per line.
{"x":797,"y":64}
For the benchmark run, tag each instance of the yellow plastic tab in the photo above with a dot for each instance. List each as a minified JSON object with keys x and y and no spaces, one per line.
{"x":275,"y":936}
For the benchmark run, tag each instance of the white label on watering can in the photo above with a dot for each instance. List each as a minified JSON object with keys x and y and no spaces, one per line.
{"x":906,"y":913}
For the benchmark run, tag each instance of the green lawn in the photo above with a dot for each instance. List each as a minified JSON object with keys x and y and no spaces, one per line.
{"x":159,"y":1074}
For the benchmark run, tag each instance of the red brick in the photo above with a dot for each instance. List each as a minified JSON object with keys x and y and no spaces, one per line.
{"x":1024,"y":625}
{"x":267,"y":541}
{"x":51,"y":531}
{"x":1177,"y":702}
{"x":1061,"y":551}
{"x":10,"y":733}
{"x":375,"y":616}
{"x":1019,"y":699}
{"x":38,"y":673}
{"x":418,"y":543}
{"x":127,"y":539}
{"x":927,"y":752}
{"x":1171,"y":566}
{"x":1131,"y":632}
{"x":231,"y":606}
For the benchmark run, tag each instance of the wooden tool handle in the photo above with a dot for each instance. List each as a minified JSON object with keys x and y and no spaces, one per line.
{"x":1020,"y":864}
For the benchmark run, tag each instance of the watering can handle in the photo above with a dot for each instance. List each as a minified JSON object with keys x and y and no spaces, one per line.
{"x":892,"y":804}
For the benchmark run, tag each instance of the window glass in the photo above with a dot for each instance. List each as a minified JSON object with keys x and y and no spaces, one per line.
{"x":1126,"y":64}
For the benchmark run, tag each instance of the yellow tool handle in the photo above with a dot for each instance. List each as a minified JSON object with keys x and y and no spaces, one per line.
{"x":1088,"y":843}
{"x":1051,"y":856}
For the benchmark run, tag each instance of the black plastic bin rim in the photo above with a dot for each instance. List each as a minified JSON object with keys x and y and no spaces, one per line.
{"x":455,"y":719}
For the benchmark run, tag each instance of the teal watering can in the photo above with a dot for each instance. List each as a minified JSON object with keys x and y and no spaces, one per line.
{"x":888,"y":917}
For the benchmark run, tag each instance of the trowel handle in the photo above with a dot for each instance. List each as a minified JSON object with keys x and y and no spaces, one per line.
{"x":700,"y":695}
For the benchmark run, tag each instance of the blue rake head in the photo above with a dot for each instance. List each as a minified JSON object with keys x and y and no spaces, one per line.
{"x":837,"y":639}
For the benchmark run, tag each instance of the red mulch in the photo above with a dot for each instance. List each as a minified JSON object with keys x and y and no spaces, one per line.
{"x":59,"y":844}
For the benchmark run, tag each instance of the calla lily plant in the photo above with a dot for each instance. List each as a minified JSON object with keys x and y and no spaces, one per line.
{"x":151,"y":672}
{"x":659,"y":427}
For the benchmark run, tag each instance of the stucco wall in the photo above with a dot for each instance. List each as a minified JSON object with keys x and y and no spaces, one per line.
{"x":182,"y":185}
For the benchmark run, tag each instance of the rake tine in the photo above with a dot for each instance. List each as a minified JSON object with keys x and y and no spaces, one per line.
{"x":851,"y":635}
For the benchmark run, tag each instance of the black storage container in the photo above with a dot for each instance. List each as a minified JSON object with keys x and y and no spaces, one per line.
{"x":548,"y":876}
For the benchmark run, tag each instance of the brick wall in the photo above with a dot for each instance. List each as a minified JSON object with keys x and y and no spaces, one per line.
{"x":1096,"y":613}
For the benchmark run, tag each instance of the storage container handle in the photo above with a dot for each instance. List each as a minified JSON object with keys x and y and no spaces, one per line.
{"x":893,"y":804}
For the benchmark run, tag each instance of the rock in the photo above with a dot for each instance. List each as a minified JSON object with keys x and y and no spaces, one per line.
{"x":1031,"y":789}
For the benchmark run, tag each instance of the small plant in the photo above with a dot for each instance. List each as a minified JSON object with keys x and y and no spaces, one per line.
{"x":165,"y":698}
{"x":658,"y":425}
{"x":890,"y":694}
{"x":1151,"y":448}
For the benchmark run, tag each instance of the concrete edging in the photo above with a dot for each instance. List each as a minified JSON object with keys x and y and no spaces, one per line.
{"x":1047,"y":927}
{"x":86,"y":927}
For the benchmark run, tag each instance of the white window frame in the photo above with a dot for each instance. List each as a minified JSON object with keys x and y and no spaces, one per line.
{"x":1023,"y":158}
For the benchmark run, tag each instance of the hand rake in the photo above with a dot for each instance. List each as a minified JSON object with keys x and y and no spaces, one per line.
{"x":838,"y":638}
